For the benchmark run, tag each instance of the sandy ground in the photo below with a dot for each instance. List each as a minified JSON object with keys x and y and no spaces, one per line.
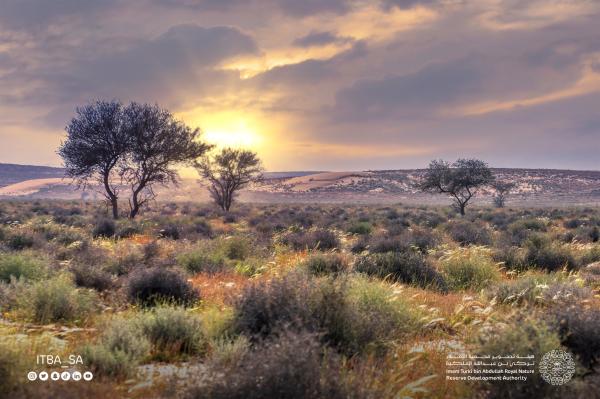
{"x":317,"y":180}
{"x":30,"y":186}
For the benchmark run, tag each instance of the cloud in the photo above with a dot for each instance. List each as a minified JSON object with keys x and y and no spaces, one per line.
{"x":36,"y":14}
{"x":322,"y":38}
{"x":406,"y":4}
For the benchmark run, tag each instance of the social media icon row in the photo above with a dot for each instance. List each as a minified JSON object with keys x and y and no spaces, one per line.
{"x":55,"y":376}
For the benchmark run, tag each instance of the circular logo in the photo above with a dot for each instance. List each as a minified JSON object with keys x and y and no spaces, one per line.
{"x":88,"y":376}
{"x":32,"y":376}
{"x":76,"y":376}
{"x":65,"y":376}
{"x":55,"y":376}
{"x":557,"y":367}
{"x":43,"y":376}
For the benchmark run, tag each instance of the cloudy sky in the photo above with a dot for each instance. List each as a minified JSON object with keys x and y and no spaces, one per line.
{"x":316,"y":84}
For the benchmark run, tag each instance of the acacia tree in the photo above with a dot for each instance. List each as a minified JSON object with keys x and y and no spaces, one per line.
{"x":459,"y":180}
{"x":228,"y":172}
{"x":501,"y":190}
{"x":95,"y":147}
{"x":157,"y":142}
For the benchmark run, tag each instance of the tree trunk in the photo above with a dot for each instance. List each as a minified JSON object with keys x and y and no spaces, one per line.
{"x":111,"y":196}
{"x":115,"y":208}
{"x":136,"y":206}
{"x":462,"y":206}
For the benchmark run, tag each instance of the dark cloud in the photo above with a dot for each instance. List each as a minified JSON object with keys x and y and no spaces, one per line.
{"x":320,"y":39}
{"x":295,"y":8}
{"x":415,"y":93}
{"x":406,"y":4}
{"x":35,"y":14}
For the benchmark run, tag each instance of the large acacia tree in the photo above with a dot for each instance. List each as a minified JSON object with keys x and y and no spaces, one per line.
{"x":228,"y":172}
{"x":95,"y":148}
{"x":157,"y":143}
{"x":138,"y":145}
{"x":460,"y":180}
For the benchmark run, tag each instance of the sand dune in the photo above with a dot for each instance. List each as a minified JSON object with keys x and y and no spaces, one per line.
{"x":28,"y":187}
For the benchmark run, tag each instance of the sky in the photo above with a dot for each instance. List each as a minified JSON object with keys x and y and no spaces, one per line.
{"x":316,"y":84}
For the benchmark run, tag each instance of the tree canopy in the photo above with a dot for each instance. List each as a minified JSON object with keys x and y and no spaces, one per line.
{"x":137,"y":145}
{"x":228,"y":172}
{"x":460,"y":180}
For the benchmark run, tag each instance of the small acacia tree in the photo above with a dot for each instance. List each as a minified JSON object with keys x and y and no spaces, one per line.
{"x":228,"y":172}
{"x":157,"y":143}
{"x":501,"y":190}
{"x":95,"y":148}
{"x":460,"y":180}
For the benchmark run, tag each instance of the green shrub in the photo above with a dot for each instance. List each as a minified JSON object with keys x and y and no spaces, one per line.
{"x":118,"y":350}
{"x":149,"y":287}
{"x":360,"y":228}
{"x":104,"y":228}
{"x":469,"y":268}
{"x":21,"y":266}
{"x":237,"y":248}
{"x":468,"y":233}
{"x":89,"y":276}
{"x":521,"y":230}
{"x":57,"y":300}
{"x":292,"y":366}
{"x":12,"y":368}
{"x":201,"y":260}
{"x":578,"y":330}
{"x":409,"y":267}
{"x":526,"y":337}
{"x":19,"y":240}
{"x":325,"y":264}
{"x":173,"y":330}
{"x":539,"y":289}
{"x":359,"y":315}
{"x":544,"y":254}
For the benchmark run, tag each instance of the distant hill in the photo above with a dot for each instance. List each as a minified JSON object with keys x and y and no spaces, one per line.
{"x":533,"y":187}
{"x":13,"y":173}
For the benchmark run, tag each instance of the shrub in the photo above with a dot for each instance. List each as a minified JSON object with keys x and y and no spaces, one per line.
{"x":57,"y":299}
{"x":360,"y":228}
{"x":469,"y":268}
{"x":383,"y":244}
{"x":513,"y":258}
{"x":408,"y":267}
{"x":293,"y":366}
{"x":313,"y":239}
{"x":529,"y":337}
{"x":148,"y":287}
{"x":421,"y":238}
{"x":104,"y":228}
{"x":360,"y":315}
{"x":21,"y":266}
{"x":544,"y":254}
{"x":237,"y":248}
{"x":120,"y":348}
{"x":325,"y":264}
{"x":468,"y":233}
{"x":171,"y":231}
{"x":520,"y":230}
{"x":173,"y":330}
{"x":538,"y":289}
{"x":265,"y":307}
{"x":90,"y":276}
{"x":12,"y":368}
{"x":127,"y":229}
{"x":19,"y":241}
{"x":201,"y":260}
{"x":578,"y":330}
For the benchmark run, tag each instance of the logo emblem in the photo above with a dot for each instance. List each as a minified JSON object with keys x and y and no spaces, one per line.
{"x":557,"y":367}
